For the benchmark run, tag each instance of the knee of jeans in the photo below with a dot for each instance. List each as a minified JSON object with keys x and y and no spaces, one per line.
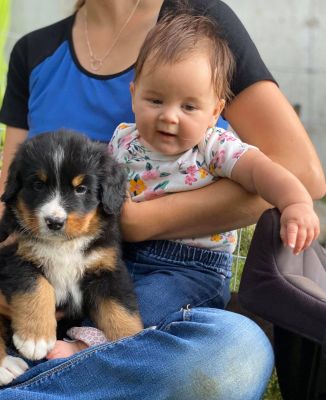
{"x":250,"y":359}
{"x":233,"y":362}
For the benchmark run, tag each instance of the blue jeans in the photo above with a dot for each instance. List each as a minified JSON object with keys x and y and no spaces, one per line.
{"x":192,"y":354}
{"x":168,"y":275}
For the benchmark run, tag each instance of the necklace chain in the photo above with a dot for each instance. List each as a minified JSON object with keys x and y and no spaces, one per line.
{"x":96,"y":63}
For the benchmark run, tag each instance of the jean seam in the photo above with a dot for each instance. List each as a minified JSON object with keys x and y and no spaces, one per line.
{"x":72,"y":362}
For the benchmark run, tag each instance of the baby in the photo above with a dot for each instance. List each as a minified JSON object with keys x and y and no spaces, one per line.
{"x":181,"y":86}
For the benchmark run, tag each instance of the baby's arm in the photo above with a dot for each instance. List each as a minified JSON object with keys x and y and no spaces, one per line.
{"x":258,"y":174}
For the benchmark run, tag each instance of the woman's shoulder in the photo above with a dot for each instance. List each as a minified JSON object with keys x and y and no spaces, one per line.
{"x":250,"y":68}
{"x":215,"y":8}
{"x":42,"y":42}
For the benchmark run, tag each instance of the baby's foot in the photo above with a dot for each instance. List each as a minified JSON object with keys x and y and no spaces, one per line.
{"x":64,"y":349}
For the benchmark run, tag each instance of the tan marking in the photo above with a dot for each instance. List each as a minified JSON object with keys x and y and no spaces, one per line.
{"x":26,"y":251}
{"x":27,"y":218}
{"x":33,"y":313}
{"x":41,"y":174}
{"x":115,"y":320}
{"x":79,"y":225}
{"x":78,"y":180}
{"x":103,"y":259}
{"x":3,"y":351}
{"x":5,"y":308}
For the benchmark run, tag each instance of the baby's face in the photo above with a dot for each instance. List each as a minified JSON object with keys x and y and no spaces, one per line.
{"x":174,"y":104}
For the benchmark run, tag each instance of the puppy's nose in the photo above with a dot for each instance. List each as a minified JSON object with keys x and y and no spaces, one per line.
{"x":55,"y":223}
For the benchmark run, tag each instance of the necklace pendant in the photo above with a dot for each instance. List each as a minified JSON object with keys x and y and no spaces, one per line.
{"x":96,"y":64}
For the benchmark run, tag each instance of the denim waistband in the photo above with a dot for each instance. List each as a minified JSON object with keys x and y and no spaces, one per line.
{"x":177,"y":253}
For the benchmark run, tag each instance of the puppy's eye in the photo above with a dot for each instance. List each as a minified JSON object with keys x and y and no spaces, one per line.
{"x":38,"y":186}
{"x":81,"y":189}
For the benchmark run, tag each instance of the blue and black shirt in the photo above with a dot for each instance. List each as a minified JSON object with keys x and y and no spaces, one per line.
{"x":48,"y":89}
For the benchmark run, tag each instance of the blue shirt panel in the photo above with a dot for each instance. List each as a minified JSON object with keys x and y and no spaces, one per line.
{"x":62,"y":96}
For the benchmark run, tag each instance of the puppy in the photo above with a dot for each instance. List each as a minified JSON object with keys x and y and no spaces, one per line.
{"x":62,"y":200}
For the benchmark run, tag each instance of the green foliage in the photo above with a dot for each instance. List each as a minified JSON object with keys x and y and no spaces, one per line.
{"x":273,"y":390}
{"x":4,"y":26}
{"x":244,"y":239}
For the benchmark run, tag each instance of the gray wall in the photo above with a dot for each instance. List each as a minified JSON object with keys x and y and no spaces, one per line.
{"x":290,"y":36}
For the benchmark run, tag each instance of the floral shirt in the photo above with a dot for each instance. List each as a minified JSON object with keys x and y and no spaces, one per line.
{"x":152,"y":174}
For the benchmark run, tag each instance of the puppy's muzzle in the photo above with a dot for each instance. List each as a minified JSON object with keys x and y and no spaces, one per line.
{"x":55,"y":223}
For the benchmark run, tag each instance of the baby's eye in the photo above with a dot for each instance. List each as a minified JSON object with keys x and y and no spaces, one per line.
{"x":155,"y":101}
{"x":189,"y":107}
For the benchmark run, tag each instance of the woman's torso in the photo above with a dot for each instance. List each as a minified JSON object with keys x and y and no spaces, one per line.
{"x":48,"y":88}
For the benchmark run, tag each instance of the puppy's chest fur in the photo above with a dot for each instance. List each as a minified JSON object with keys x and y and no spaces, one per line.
{"x":63,"y":264}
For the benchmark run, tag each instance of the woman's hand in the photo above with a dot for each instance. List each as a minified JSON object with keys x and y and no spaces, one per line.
{"x":132,"y":221}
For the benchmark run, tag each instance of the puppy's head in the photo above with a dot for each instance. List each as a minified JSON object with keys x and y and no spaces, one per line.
{"x":60,"y":183}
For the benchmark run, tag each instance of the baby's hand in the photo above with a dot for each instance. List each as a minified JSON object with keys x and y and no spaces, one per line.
{"x":299,"y":226}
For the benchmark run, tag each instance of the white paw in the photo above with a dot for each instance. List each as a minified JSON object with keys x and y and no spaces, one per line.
{"x":11,"y":368}
{"x":33,"y":349}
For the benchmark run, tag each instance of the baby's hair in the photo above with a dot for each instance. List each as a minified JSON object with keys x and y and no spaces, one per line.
{"x":175,"y":37}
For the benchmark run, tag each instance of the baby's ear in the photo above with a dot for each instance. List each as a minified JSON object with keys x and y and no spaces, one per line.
{"x":217,"y":112}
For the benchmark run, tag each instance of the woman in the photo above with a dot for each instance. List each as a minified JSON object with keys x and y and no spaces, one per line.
{"x":76,"y":74}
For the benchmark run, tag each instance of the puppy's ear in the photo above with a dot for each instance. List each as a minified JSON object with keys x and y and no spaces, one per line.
{"x":8,"y":223}
{"x":13,"y":183}
{"x":112,"y":186}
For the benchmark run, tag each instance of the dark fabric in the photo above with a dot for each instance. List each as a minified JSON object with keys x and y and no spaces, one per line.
{"x":39,"y":46}
{"x":287,"y":290}
{"x":300,"y":366}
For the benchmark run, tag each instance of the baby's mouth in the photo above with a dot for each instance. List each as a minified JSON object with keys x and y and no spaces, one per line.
{"x":168,"y":134}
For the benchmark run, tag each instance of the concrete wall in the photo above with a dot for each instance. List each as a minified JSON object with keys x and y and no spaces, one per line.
{"x":290,"y":36}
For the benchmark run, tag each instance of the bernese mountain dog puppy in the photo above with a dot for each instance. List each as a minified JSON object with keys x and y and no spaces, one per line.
{"x":62,"y":201}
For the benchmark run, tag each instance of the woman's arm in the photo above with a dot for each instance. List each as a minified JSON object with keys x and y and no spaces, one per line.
{"x":219,"y":207}
{"x":261,"y":116}
{"x":14,"y":136}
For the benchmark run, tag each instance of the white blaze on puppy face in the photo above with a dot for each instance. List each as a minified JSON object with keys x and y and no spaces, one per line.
{"x":51,"y":209}
{"x":58,"y":158}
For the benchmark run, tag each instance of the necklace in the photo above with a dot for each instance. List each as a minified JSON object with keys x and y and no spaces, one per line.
{"x":97,"y":62}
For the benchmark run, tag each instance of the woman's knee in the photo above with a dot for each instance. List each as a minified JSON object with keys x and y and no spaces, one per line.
{"x":228,"y":357}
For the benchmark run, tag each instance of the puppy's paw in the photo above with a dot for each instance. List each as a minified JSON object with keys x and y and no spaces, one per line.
{"x":11,"y":368}
{"x":33,"y":349}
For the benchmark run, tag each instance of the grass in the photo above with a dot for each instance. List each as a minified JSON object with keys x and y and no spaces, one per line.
{"x":272,"y":391}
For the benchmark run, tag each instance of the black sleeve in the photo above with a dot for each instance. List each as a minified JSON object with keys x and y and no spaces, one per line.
{"x":28,"y":52}
{"x":14,"y":108}
{"x":249,"y":66}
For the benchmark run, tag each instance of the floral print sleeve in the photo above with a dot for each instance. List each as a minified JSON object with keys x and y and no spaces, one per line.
{"x":121,"y":137}
{"x":222,"y":150}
